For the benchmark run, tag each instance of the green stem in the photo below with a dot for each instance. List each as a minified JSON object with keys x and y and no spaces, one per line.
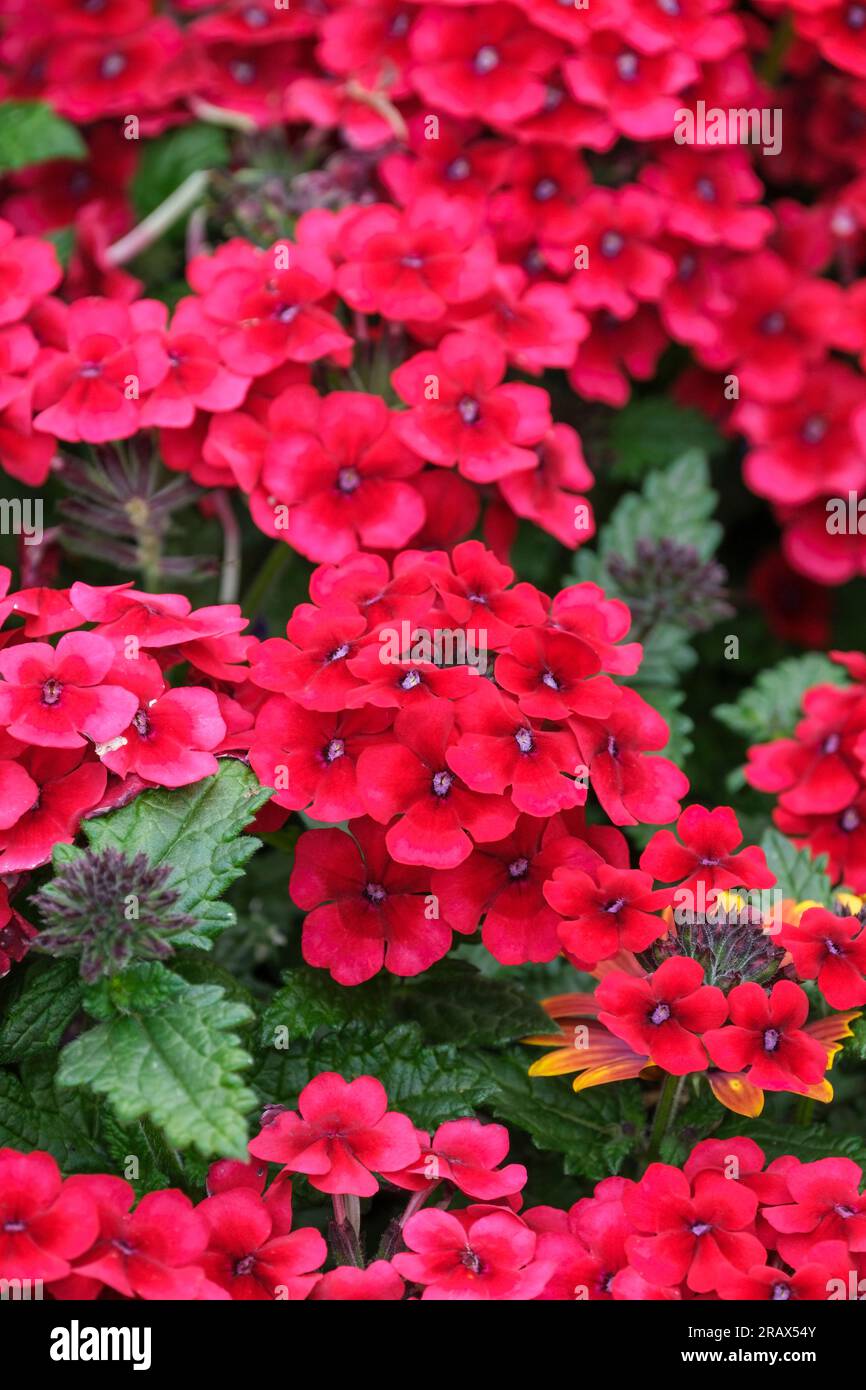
{"x":278,"y":557}
{"x":774,"y":58}
{"x":665,"y":1110}
{"x":182,"y":200}
{"x":804,"y":1110}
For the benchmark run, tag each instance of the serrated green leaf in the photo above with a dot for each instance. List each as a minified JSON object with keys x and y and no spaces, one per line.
{"x":798,"y":875}
{"x":34,"y":1114}
{"x":198,"y":831}
{"x":770,"y":708}
{"x":168,"y":160}
{"x":430,"y":1083}
{"x":176,"y":1061}
{"x":675,"y":502}
{"x":31,"y":133}
{"x":46,"y":999}
{"x":595,"y":1130}
{"x":455,"y":1002}
{"x":807,"y":1142}
{"x":648,"y":430}
{"x":310,"y":999}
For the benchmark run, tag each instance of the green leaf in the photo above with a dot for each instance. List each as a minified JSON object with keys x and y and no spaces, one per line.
{"x":595,"y":1130}
{"x":770,"y":708}
{"x":198,"y":831}
{"x":31,"y":133}
{"x":647,"y":430}
{"x":430,"y":1083}
{"x":454,"y":1001}
{"x":808,"y":1142}
{"x":47,"y":999}
{"x":798,"y":875}
{"x":310,"y":999}
{"x":172,"y":1057}
{"x":35,"y":1115}
{"x":675,"y":502}
{"x":170,"y":159}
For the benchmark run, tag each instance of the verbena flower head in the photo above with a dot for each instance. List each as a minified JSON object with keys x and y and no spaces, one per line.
{"x":110,"y":908}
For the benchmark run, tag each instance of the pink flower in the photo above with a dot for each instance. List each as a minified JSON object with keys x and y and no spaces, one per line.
{"x":51,"y":697}
{"x":473,"y":1254}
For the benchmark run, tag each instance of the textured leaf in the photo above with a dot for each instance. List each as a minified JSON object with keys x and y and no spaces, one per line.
{"x":175,"y":1060}
{"x":47,"y":999}
{"x":674,"y":503}
{"x":455,"y":1002}
{"x":34,"y":1114}
{"x":808,"y":1142}
{"x":198,"y":831}
{"x":310,"y":999}
{"x":771,"y":707}
{"x":31,"y":133}
{"x":645,"y":432}
{"x":430,"y":1083}
{"x":167,"y":161}
{"x":798,"y":875}
{"x":595,"y":1130}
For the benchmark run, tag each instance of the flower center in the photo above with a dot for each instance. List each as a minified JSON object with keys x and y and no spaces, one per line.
{"x":335,"y":749}
{"x":773,"y":323}
{"x":442,"y":783}
{"x":701,"y":1228}
{"x":348,"y":479}
{"x":459,"y":168}
{"x":849,"y":820}
{"x":14,"y":1228}
{"x":843,"y":1211}
{"x":339,"y":653}
{"x":412,"y":261}
{"x":611,"y":244}
{"x":626,"y":66}
{"x":112,"y":65}
{"x":51,"y":691}
{"x":469,"y":410}
{"x":518,"y":867}
{"x":286,"y":313}
{"x":706,"y":190}
{"x":486,"y":59}
{"x":410,"y":680}
{"x":245,"y":1265}
{"x":660,"y":1014}
{"x":814,"y":429}
{"x":470,"y":1261}
{"x":523,"y":739}
{"x":244,"y":73}
{"x":375,"y":892}
{"x":545,"y":189}
{"x":616,"y":906}
{"x":549,"y":679}
{"x":772,"y":1038}
{"x":831,"y":743}
{"x":141,"y":723}
{"x":255,"y":17}
{"x":781,"y":1292}
{"x":855,"y":17}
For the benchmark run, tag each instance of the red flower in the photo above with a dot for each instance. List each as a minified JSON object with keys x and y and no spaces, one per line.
{"x":29,"y":270}
{"x":503,"y":882}
{"x":472,"y":1254}
{"x":466,"y":1153}
{"x":91,"y":392}
{"x":662,"y":1014}
{"x":630,"y":787}
{"x":546,"y":493}
{"x":415,"y":264}
{"x":170,"y":738}
{"x":269,"y":315}
{"x":815,"y":772}
{"x":701,"y":1233}
{"x":51,"y":697}
{"x":827,"y":1205}
{"x":462,"y":415}
{"x":44,"y":1222}
{"x":482,"y":61}
{"x":16,"y":934}
{"x":831,"y":950}
{"x":379,"y":1282}
{"x":617,"y":228}
{"x":368,"y":912}
{"x":765,"y":1035}
{"x":706,"y":860}
{"x":339,"y":467}
{"x":635,"y":90}
{"x":151,"y":1252}
{"x":414,"y":775}
{"x":66,"y":792}
{"x":312,"y":759}
{"x":605,"y":910}
{"x":252,"y":1251}
{"x":551,"y":674}
{"x":342,"y":1131}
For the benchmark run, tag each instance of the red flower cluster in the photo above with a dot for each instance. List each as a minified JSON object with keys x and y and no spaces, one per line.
{"x":87,"y":724}
{"x":724,"y":1226}
{"x":463,"y":794}
{"x":495,"y":249}
{"x":819,"y":775}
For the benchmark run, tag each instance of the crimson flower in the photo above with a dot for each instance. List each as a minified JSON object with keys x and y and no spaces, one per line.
{"x":474,"y":1254}
{"x":151,"y":1252}
{"x":605,"y":910}
{"x":364,"y":911}
{"x":765,"y":1035}
{"x":340,"y":1132}
{"x":827,"y":1204}
{"x":466,"y":1153}
{"x":252,"y":1251}
{"x":831,"y":950}
{"x":379,"y":1282}
{"x":44,"y":1222}
{"x":630,"y":787}
{"x":707,"y":854}
{"x":661,"y":1014}
{"x":51,"y":697}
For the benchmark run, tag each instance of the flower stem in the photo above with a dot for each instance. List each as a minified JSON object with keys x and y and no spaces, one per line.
{"x":278,"y":558}
{"x":182,"y":200}
{"x":230,"y":573}
{"x":665,"y":1111}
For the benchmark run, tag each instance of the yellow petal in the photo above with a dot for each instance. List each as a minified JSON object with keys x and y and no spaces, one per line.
{"x":736,"y":1093}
